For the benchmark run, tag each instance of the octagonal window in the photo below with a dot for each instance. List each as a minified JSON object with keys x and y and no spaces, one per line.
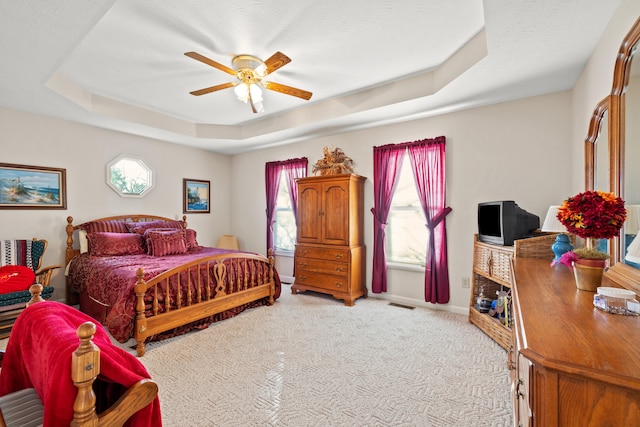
{"x":129,"y":176}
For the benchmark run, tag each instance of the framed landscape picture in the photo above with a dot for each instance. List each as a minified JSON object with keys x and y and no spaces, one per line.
{"x":32,"y":187}
{"x":196,"y":196}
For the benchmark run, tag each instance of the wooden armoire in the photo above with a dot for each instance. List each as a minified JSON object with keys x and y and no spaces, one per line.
{"x":330,"y":251}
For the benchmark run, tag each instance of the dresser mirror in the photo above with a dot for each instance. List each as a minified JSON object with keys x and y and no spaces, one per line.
{"x":597,"y":148}
{"x":624,"y":143}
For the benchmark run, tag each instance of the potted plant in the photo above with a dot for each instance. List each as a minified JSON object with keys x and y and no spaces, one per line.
{"x":591,"y":215}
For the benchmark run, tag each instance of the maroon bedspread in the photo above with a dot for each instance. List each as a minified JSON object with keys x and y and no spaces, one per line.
{"x":110,"y":280}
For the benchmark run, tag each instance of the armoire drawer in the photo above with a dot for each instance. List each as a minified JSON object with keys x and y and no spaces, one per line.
{"x":321,"y":266}
{"x":320,"y":280}
{"x":329,"y":254}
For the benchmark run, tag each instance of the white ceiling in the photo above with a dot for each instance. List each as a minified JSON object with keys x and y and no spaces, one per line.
{"x":120,"y":64}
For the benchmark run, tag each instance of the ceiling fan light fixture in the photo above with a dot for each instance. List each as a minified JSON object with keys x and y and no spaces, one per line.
{"x":242,"y":92}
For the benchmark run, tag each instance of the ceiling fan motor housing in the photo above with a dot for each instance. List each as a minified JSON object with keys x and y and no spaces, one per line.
{"x":249,"y":67}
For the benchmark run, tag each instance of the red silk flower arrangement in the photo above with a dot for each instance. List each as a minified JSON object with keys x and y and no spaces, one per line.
{"x":593,"y":214}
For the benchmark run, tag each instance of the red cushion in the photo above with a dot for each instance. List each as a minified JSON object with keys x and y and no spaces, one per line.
{"x":14,"y":278}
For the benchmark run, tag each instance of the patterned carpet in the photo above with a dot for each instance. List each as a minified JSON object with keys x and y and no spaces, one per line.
{"x":310,"y":361}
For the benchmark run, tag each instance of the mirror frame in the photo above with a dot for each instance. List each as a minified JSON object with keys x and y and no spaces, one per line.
{"x":622,"y":274}
{"x":590,"y":149}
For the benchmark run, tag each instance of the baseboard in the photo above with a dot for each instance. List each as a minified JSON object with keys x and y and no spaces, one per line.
{"x":286,"y":279}
{"x":419,"y":303}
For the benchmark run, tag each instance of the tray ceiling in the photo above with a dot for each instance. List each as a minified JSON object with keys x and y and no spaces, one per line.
{"x":120,"y":64}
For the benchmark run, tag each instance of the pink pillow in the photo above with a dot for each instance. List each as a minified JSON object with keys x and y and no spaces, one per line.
{"x":109,"y":244}
{"x":109,"y":226}
{"x":166,"y":242}
{"x":14,"y":278}
{"x":191,"y":238}
{"x":141,"y":227}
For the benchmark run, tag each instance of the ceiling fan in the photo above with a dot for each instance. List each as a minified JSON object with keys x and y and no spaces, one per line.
{"x":250,"y":70}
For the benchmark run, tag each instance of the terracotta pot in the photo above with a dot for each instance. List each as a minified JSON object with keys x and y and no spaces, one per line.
{"x":588,"y":273}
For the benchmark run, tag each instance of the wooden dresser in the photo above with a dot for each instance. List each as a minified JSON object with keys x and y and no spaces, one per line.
{"x":573,"y":365}
{"x":330,"y":251}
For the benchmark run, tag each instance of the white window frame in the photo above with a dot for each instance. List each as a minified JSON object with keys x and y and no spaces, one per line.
{"x":283,"y":186}
{"x":418,"y":232}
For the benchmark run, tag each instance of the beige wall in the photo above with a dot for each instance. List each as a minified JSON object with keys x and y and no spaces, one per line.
{"x":518,"y":150}
{"x":84,"y":152}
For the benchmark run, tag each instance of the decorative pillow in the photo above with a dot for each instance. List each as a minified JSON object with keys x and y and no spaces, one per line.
{"x":14,"y":278}
{"x":151,"y":230}
{"x":174,"y":224}
{"x":191,"y":238}
{"x":109,"y":226}
{"x":109,"y":244}
{"x":141,"y":227}
{"x":166,"y":242}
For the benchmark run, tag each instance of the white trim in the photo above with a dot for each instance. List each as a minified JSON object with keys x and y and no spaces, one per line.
{"x":407,"y":267}
{"x":420,"y":303}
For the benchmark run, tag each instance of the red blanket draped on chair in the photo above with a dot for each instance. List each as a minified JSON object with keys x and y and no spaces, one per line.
{"x":39,"y":353}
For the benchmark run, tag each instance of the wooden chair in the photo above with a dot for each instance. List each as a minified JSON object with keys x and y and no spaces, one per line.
{"x":24,"y":408}
{"x":28,"y":253}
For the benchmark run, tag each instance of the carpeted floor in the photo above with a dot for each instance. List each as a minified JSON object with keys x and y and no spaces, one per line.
{"x":310,"y":361}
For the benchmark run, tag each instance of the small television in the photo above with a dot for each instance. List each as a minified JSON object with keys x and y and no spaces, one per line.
{"x":504,"y":221}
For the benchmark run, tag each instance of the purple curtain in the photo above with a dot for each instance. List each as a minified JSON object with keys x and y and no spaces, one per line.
{"x":387,"y":160}
{"x":428,"y":164}
{"x":293,"y":168}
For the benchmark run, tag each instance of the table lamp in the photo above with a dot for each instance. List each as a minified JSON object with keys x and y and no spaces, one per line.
{"x":552,"y":224}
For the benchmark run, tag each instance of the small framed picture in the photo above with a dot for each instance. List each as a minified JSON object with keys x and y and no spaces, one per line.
{"x":196,"y":196}
{"x":32,"y":187}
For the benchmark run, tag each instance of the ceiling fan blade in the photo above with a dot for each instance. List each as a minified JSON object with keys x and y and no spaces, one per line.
{"x":275,"y":61}
{"x":211,"y":62}
{"x":212,"y":89}
{"x":288,"y":90}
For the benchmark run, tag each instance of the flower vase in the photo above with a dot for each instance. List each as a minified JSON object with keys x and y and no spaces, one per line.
{"x":588,"y":273}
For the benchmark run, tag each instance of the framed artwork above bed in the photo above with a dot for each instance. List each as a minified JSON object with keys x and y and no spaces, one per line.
{"x":32,"y":187}
{"x":196,"y":196}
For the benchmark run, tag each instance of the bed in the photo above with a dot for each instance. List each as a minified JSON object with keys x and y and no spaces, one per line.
{"x":146,"y":277}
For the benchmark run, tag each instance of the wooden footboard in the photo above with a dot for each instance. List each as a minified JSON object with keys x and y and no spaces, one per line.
{"x":214,"y":284}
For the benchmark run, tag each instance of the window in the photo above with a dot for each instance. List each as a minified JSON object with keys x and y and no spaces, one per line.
{"x":129,"y":177}
{"x":406,"y":231}
{"x":285,"y":226}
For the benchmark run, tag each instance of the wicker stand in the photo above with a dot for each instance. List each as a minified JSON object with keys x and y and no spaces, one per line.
{"x":491,"y":273}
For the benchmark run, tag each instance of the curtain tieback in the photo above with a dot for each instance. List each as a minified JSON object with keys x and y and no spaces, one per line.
{"x":378,"y":223}
{"x":436,"y":220}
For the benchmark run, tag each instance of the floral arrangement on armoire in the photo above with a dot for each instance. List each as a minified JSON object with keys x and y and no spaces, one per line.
{"x":333,"y":162}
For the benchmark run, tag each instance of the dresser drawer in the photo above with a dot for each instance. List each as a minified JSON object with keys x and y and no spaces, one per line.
{"x":329,"y":254}
{"x":321,"y":266}
{"x":320,"y":280}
